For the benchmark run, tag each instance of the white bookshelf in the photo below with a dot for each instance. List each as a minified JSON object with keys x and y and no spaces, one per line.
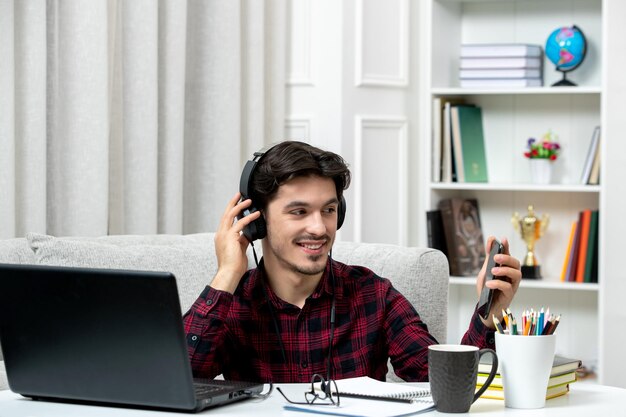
{"x":510,"y":117}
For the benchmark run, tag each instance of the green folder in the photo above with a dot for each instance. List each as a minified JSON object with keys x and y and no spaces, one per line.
{"x":473,"y":144}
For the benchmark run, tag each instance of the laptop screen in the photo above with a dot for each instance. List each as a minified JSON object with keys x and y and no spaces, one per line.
{"x":95,"y":335}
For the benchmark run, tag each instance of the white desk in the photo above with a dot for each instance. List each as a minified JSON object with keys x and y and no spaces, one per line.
{"x":583,"y":400}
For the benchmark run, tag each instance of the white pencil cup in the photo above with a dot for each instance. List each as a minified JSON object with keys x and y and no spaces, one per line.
{"x":525,"y":365}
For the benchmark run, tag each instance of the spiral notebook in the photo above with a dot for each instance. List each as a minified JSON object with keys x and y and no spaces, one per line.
{"x":364,"y":396}
{"x":367,"y":387}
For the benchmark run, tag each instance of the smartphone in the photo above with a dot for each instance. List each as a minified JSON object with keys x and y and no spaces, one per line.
{"x":486,"y":295}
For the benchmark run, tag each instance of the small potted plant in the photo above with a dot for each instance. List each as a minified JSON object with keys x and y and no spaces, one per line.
{"x":542,"y":153}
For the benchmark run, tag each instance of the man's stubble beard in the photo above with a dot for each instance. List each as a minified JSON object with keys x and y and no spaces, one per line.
{"x":312,"y":270}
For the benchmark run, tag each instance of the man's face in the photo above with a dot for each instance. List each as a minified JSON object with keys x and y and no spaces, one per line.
{"x":301,"y":225}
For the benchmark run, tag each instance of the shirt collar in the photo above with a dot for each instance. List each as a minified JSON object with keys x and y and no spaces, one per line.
{"x":257,"y":279}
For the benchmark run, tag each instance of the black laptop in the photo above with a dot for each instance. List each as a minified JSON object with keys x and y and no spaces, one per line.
{"x":101,"y":336}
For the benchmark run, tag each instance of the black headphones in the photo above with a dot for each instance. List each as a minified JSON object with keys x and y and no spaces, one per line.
{"x":258,"y":229}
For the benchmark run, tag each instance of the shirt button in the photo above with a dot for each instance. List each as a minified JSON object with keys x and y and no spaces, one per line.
{"x":209,"y":302}
{"x":305,"y":364}
{"x":194,"y":338}
{"x":491,"y":341}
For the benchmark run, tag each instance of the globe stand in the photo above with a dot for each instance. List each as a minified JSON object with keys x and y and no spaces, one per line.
{"x":564,"y":82}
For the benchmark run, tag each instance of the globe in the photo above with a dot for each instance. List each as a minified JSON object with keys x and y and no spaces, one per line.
{"x":566,"y":47}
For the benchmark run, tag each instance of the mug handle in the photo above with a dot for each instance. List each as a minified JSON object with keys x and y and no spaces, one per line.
{"x":492,"y":374}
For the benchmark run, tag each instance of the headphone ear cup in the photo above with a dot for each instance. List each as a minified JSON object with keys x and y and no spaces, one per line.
{"x":341,"y":215}
{"x":256,"y":229}
{"x":261,"y":227}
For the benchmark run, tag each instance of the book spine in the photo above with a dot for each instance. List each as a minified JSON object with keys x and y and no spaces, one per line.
{"x":457,"y":147}
{"x":571,"y":268}
{"x":498,"y":393}
{"x":591,"y":154}
{"x":446,"y":162}
{"x":566,"y":261}
{"x":592,"y":248}
{"x":500,"y":50}
{"x":436,"y":234}
{"x":499,"y":73}
{"x":493,"y":63}
{"x":594,"y":176}
{"x":594,"y":266}
{"x":554,"y":381}
{"x":584,"y":241}
{"x":447,"y":218}
{"x":437,"y":138}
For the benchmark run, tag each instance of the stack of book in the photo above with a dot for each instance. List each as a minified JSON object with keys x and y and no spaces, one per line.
{"x":581,"y":257}
{"x":459,"y":153}
{"x":563,"y":373}
{"x":501,"y":65}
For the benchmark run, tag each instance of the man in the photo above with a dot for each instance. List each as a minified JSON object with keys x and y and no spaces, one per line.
{"x":300,"y":313}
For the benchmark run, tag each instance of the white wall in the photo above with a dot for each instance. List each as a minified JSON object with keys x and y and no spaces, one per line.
{"x":350,"y":90}
{"x":612,"y":366}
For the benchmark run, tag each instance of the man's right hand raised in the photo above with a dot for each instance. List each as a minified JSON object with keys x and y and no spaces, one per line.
{"x":231,"y":245}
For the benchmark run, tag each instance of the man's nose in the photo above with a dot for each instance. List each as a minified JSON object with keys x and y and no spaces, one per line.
{"x":316,"y":225}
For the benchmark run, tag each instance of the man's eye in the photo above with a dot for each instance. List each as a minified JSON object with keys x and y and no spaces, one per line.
{"x":330,"y":210}
{"x":297,"y":212}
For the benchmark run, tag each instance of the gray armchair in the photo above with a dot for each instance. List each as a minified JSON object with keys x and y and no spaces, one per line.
{"x":420,"y":274}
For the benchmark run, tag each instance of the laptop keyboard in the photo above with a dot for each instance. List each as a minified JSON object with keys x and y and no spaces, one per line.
{"x":207,"y":390}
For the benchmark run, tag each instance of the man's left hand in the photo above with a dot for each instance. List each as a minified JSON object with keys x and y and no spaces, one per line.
{"x":506,"y":280}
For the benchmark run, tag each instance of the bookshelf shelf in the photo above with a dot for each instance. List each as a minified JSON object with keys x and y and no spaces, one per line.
{"x":516,"y":91}
{"x":536,"y":284}
{"x":553,"y":188}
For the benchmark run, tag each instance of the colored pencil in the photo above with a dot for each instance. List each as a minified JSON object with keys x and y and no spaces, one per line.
{"x":497,"y":324}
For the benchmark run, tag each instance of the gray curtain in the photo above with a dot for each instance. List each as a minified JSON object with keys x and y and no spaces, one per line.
{"x":133,"y":116}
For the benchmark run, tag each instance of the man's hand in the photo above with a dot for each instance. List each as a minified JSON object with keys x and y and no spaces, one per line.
{"x":231,"y":245}
{"x":506,"y":280}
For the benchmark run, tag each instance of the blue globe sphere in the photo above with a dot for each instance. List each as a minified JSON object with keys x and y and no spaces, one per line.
{"x":566,"y":48}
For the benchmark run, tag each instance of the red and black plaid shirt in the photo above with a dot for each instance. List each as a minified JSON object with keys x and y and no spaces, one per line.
{"x":235,"y":334}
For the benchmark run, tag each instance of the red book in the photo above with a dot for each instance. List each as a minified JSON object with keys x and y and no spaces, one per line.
{"x":584,"y":242}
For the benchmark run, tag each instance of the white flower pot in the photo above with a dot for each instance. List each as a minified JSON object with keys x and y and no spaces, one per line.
{"x":540,"y":171}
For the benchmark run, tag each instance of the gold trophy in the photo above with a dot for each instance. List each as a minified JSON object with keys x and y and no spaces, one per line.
{"x":530,"y":229}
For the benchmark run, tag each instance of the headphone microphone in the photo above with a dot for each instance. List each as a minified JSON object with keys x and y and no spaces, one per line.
{"x":257,"y":229}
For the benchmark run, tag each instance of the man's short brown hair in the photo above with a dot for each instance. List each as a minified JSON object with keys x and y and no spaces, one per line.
{"x":291,"y":159}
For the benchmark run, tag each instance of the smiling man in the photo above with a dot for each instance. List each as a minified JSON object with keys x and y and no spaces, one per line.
{"x":299,"y":312}
{"x":301,"y":219}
